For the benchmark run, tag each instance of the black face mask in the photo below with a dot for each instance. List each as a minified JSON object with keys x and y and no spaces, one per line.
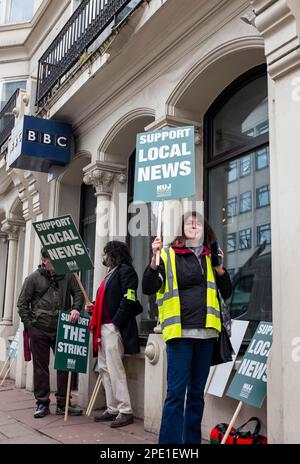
{"x":104,"y":262}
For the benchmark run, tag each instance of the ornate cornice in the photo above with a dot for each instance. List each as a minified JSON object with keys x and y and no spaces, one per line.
{"x":276,"y":22}
{"x":102,"y":176}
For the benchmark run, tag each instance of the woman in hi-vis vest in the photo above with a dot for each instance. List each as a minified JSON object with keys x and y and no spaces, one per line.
{"x":186,"y":287}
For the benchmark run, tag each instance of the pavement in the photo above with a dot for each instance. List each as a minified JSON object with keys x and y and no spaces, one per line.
{"x":18,"y":426}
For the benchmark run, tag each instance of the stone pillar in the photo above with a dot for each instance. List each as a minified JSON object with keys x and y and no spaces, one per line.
{"x":3,"y":257}
{"x":11,"y":228}
{"x":279,"y":24}
{"x":102,"y":176}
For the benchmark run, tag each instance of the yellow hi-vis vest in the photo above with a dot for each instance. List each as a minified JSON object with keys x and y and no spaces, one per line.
{"x":168,"y":298}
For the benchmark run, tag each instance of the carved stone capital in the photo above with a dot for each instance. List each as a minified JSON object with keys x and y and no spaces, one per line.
{"x":102,"y":176}
{"x":11,"y":228}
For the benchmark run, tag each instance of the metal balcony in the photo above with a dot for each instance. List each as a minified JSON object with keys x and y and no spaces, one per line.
{"x":7,"y":117}
{"x":88,"y":21}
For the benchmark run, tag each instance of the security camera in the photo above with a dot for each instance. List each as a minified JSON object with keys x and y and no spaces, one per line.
{"x":249,"y":17}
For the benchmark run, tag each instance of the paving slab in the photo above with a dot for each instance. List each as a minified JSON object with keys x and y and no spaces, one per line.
{"x":18,"y":426}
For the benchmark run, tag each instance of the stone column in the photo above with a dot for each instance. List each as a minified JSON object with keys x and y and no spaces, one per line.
{"x":11,"y":228}
{"x":102,"y":176}
{"x":279,"y":24}
{"x":3,"y":257}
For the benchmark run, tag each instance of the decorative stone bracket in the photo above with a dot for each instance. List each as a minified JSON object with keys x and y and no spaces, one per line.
{"x":11,"y":227}
{"x":277,"y":23}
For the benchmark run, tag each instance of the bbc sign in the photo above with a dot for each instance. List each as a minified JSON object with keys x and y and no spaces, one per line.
{"x":37,"y":144}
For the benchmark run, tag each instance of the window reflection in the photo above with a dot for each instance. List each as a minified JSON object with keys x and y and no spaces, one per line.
{"x":240,"y":125}
{"x":243,"y":118}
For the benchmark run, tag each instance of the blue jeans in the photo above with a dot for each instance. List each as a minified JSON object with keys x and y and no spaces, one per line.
{"x":188,"y":368}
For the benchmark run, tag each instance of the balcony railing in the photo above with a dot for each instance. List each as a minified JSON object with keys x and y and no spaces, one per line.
{"x":88,"y":21}
{"x":7,"y":117}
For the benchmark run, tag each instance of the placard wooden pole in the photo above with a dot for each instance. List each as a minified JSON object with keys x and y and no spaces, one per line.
{"x":4,"y":366}
{"x":210,"y":376}
{"x":68,"y":396}
{"x":232,"y":422}
{"x":86,"y":297}
{"x":94,"y":396}
{"x":6,"y":373}
{"x":158,"y":234}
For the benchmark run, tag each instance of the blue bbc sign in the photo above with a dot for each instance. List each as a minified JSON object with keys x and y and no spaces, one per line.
{"x":37,"y":144}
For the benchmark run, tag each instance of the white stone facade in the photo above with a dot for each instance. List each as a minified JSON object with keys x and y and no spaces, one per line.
{"x":164,"y":66}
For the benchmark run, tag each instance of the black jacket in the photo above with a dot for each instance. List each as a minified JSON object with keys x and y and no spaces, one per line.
{"x":192,"y":285}
{"x":123,"y":310}
{"x":43,"y":295}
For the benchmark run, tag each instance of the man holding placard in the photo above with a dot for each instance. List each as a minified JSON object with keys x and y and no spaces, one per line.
{"x":43,"y":294}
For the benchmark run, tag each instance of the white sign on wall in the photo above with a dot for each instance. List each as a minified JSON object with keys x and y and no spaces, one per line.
{"x":221,"y":373}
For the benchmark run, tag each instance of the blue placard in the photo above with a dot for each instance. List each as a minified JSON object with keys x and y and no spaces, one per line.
{"x":165,"y":164}
{"x":37,"y":144}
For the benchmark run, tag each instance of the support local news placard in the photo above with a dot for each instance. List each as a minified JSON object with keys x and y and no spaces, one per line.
{"x":66,"y":250}
{"x":165,"y":164}
{"x":249,"y":384}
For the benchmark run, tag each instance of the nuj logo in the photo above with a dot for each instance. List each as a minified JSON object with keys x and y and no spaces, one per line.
{"x":164,"y":189}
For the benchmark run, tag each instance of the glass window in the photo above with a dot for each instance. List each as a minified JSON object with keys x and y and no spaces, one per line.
{"x":20,"y":10}
{"x":231,"y":272}
{"x":245,"y":166}
{"x":262,"y":196}
{"x":241,"y":128}
{"x":264,"y":234}
{"x":231,"y":243}
{"x":232,"y":171}
{"x":88,"y":231}
{"x":9,"y":88}
{"x":232,"y":207}
{"x":262,"y":158}
{"x":140,"y":250}
{"x":245,"y":239}
{"x":262,"y":128}
{"x":242,"y":118}
{"x":241,"y":295}
{"x":245,"y":202}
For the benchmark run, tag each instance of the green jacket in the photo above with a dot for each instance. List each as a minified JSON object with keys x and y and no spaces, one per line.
{"x":43,"y":295}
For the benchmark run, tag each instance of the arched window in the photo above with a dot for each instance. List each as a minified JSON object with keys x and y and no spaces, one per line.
{"x":237,"y":191}
{"x":88,"y":231}
{"x":139,"y":244}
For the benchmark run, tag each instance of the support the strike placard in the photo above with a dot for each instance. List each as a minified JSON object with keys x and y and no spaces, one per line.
{"x":65,"y":248}
{"x":72,"y":342}
{"x":165,"y":164}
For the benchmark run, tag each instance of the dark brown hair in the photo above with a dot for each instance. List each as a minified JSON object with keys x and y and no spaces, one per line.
{"x":117,"y":253}
{"x":209,"y":234}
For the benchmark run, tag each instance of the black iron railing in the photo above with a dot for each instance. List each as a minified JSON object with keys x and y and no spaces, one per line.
{"x":88,"y":21}
{"x":7,"y":117}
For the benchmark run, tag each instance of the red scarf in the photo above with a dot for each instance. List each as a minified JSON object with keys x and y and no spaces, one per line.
{"x":95,"y":323}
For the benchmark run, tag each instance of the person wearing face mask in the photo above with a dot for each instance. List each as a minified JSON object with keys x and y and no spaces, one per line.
{"x":186,"y":288}
{"x":43,"y":294}
{"x":115,"y":332}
